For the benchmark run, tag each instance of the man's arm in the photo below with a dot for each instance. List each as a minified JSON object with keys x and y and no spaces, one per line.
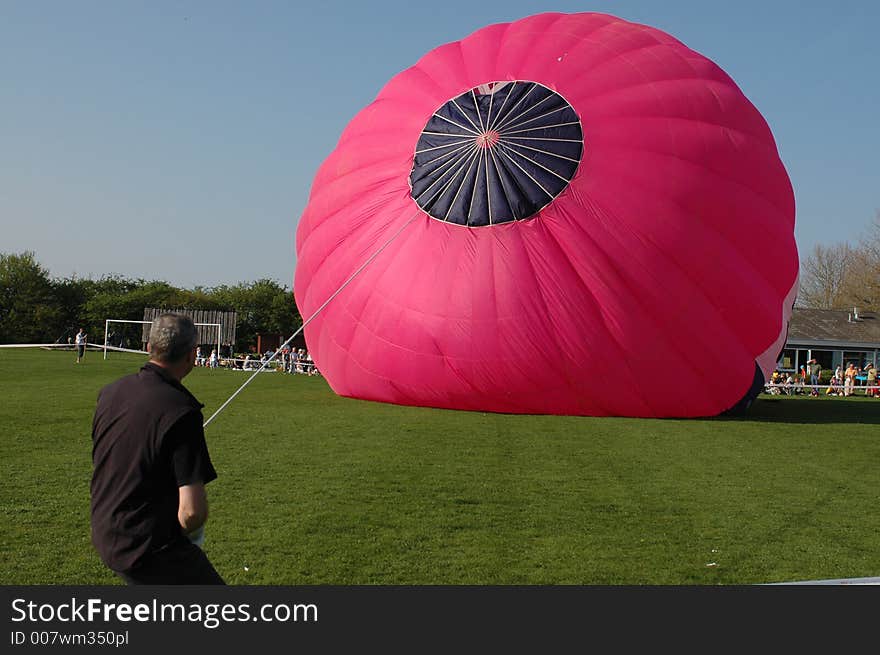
{"x":192,"y":469}
{"x":192,"y":508}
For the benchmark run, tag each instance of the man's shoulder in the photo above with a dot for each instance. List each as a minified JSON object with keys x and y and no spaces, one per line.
{"x":147,"y":384}
{"x":145,"y":397}
{"x":119,"y":384}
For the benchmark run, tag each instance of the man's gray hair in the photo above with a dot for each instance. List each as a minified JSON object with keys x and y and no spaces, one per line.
{"x":172,"y":337}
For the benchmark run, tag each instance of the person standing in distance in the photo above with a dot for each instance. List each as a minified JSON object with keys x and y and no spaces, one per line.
{"x":80,"y":345}
{"x":151,"y":465}
{"x":815,"y":376}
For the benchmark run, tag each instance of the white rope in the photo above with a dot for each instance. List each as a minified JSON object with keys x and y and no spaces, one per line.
{"x":59,"y":346}
{"x":311,"y":318}
{"x":120,"y":349}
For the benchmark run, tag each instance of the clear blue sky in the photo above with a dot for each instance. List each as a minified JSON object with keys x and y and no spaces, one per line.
{"x":178,"y":140}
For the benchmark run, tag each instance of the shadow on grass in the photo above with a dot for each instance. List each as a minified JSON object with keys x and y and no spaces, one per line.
{"x":802,"y":409}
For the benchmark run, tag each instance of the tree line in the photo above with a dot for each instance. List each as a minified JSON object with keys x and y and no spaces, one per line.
{"x":36,"y":308}
{"x":843,"y":275}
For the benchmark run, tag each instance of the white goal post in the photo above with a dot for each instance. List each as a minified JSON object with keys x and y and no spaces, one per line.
{"x":129,"y":350}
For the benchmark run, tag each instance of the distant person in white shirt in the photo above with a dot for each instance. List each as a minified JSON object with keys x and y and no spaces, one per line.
{"x":80,"y":345}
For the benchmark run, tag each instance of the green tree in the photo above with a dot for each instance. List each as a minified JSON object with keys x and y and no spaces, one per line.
{"x":34,"y":308}
{"x":29,"y":312}
{"x":109,"y":297}
{"x":121,"y":298}
{"x":72,"y":294}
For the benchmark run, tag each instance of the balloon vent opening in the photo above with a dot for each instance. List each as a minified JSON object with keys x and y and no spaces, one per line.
{"x":498,"y":153}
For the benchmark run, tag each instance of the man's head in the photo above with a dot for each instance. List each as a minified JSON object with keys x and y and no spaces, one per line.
{"x":173,"y":341}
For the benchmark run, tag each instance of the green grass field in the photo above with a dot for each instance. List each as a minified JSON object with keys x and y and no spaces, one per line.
{"x":318,"y":489}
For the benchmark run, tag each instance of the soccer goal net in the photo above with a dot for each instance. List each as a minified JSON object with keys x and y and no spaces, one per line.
{"x":122,"y":335}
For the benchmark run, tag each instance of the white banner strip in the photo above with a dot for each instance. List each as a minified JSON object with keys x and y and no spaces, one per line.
{"x":70,"y":346}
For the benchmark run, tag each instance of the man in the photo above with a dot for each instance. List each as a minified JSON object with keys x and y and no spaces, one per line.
{"x":151,"y":465}
{"x":871,"y":380}
{"x":815,"y":373}
{"x":80,"y":345}
{"x":849,"y":379}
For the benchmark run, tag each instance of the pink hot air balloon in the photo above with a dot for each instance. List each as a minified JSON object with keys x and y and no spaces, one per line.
{"x":579,"y":214}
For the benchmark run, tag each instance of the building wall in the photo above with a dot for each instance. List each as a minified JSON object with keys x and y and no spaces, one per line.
{"x":207,"y":335}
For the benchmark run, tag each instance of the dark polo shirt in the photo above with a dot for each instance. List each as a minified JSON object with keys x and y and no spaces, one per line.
{"x":147,"y":440}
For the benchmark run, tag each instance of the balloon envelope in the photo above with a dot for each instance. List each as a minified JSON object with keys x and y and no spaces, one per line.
{"x":593,"y":220}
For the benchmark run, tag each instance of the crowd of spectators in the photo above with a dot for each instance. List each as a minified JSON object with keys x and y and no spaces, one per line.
{"x":292,"y":360}
{"x":845,"y":381}
{"x":287,"y":360}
